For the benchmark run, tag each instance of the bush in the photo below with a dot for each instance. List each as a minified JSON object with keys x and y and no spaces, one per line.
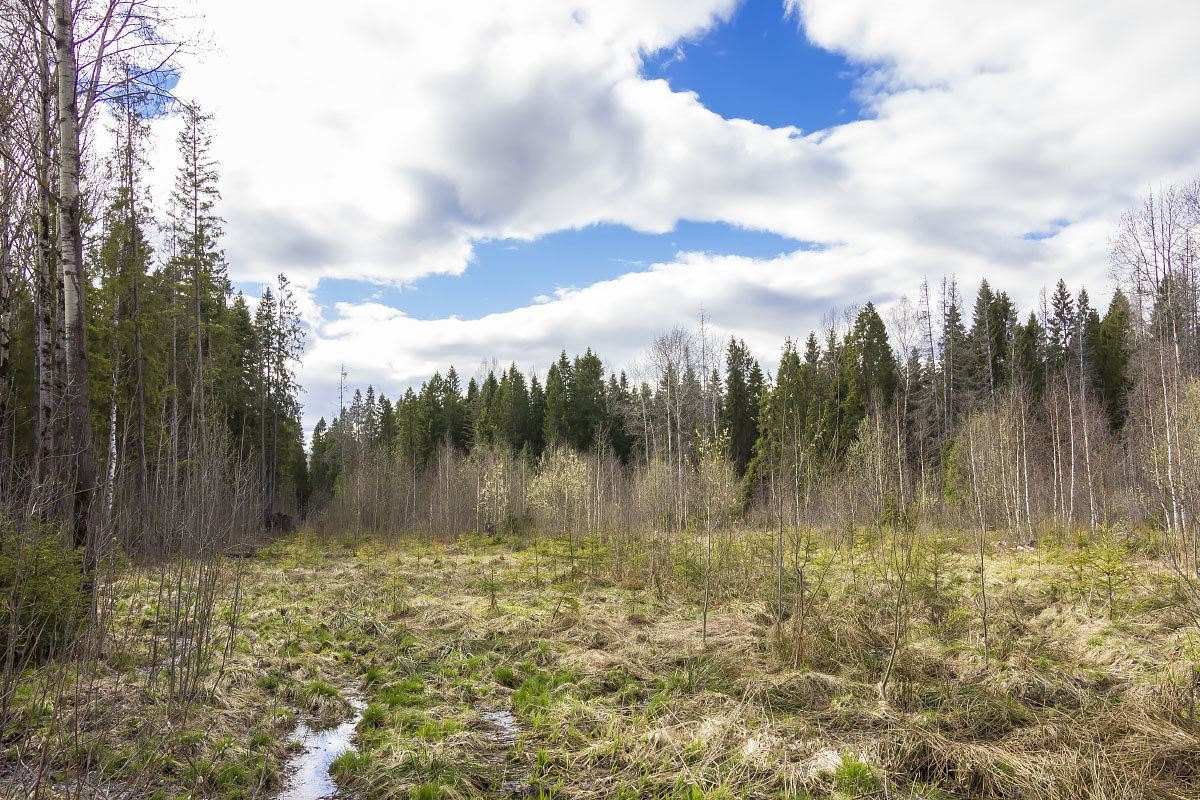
{"x":40,"y":582}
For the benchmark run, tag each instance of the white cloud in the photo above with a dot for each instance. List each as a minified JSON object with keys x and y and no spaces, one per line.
{"x":379,"y":144}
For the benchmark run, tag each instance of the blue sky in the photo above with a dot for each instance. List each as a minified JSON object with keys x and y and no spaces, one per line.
{"x":499,"y":176}
{"x":507,"y":273}
{"x":758,"y":65}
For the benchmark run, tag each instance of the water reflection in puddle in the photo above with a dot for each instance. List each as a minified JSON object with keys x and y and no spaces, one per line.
{"x":502,"y":730}
{"x":504,"y":726}
{"x":307,"y":772}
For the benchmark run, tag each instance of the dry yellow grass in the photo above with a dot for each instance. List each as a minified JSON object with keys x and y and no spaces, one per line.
{"x":613,"y":694}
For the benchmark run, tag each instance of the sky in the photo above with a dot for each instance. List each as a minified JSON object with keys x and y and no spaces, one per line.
{"x":496,"y":180}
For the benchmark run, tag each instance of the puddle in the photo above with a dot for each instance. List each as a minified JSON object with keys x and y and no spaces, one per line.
{"x":307,"y":772}
{"x":502,"y":731}
{"x":504,"y":727}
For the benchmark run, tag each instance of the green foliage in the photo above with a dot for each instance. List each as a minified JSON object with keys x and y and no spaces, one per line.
{"x":740,"y":411}
{"x":318,"y":688}
{"x":1099,"y":567}
{"x":427,"y":791}
{"x":1112,"y":348}
{"x":535,"y":691}
{"x":40,"y":582}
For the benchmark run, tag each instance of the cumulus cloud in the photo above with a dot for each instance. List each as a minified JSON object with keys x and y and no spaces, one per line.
{"x":759,"y":300}
{"x":380,"y":145}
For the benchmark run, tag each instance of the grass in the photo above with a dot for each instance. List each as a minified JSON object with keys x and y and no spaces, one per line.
{"x":855,"y":777}
{"x":348,"y":764}
{"x":612,"y":695}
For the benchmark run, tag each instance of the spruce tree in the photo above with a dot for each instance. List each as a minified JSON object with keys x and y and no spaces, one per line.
{"x":556,"y":426}
{"x":585,"y":406}
{"x":738,"y":410}
{"x":1113,"y":350}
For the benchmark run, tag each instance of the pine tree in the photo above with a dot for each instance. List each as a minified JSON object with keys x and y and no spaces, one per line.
{"x":516,"y":421}
{"x":198,"y":258}
{"x":460,"y":422}
{"x":980,"y":375}
{"x":535,"y":437}
{"x":489,"y":421}
{"x":388,"y":426}
{"x":953,"y":357}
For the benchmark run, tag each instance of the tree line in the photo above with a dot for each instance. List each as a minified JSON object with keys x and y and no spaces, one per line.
{"x":928,"y":363}
{"x":1040,"y":420}
{"x":128,"y":365}
{"x":149,"y":421}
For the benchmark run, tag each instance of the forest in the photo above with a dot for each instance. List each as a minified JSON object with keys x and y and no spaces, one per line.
{"x":944,"y":546}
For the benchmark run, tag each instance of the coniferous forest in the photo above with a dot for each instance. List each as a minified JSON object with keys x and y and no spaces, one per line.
{"x":945,"y":545}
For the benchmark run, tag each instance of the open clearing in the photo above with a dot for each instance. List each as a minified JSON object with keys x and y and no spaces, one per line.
{"x":493,"y":673}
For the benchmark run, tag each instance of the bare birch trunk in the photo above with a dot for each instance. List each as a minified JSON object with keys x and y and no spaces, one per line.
{"x":982,"y":541}
{"x":1025,"y":472}
{"x":70,"y":239}
{"x":5,"y":334}
{"x":47,"y":436}
{"x":7,"y":186}
{"x":136,"y":276}
{"x":1087,"y":449}
{"x":110,"y":482}
{"x":1071,"y":435}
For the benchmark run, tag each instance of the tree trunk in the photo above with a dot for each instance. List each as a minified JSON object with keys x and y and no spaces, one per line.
{"x":110,"y":481}
{"x":1087,"y":447}
{"x":976,"y":490}
{"x":1071,"y":434}
{"x":5,"y":319}
{"x":70,"y":239}
{"x":47,"y":422}
{"x":136,"y":276}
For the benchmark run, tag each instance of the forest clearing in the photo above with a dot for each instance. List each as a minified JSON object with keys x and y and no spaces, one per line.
{"x":315,"y":485}
{"x":489,"y":671}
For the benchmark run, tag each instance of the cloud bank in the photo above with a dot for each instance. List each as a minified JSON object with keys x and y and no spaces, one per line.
{"x":380,"y":145}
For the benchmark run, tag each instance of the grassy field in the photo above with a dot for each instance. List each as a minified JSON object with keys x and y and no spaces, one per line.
{"x":494,"y":673}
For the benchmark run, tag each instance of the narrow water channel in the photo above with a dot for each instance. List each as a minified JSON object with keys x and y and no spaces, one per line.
{"x":306,"y":774}
{"x":502,"y":729}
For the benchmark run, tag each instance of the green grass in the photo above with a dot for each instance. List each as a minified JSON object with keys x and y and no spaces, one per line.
{"x":505,"y":676}
{"x":318,"y":687}
{"x":855,"y":777}
{"x":407,"y":694}
{"x":536,"y":690}
{"x":349,"y":763}
{"x":375,"y":716}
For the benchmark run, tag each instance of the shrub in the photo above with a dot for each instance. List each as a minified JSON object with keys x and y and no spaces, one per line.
{"x":40,"y":582}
